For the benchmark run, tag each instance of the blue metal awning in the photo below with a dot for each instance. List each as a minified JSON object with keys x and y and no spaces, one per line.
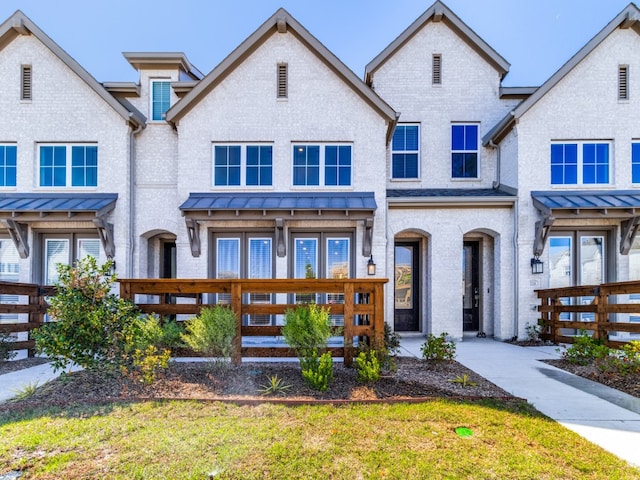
{"x":48,"y":203}
{"x":18,"y":209}
{"x":616,"y":202}
{"x":611,"y":204}
{"x":279,"y":208}
{"x":343,"y":201}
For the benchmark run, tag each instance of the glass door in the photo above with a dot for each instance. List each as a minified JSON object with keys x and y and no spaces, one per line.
{"x":406,"y":287}
{"x":470,"y":287}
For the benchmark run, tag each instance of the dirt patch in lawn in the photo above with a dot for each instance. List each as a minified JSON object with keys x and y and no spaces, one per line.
{"x":413,"y":379}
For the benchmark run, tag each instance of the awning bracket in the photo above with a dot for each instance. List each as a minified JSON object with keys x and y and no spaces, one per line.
{"x":105,"y":232}
{"x":543,"y":228}
{"x":193,"y":232}
{"x":281,"y":239}
{"x":367,"y":237}
{"x":629,"y":231}
{"x":18,"y":234}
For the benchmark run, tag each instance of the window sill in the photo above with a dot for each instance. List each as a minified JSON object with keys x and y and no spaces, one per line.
{"x":588,"y":186}
{"x":405,"y":180}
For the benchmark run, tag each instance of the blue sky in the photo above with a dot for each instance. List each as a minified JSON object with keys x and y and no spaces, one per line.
{"x":536,"y":36}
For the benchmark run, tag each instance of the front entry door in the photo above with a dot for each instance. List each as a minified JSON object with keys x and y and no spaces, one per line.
{"x":470,"y":287}
{"x":407,"y":287}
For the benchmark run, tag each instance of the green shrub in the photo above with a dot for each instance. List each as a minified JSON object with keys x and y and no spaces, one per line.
{"x":212,"y":332}
{"x":6,"y":349}
{"x":367,"y":367}
{"x":438,"y":348}
{"x":91,"y":326}
{"x":625,"y":361}
{"x":391,"y":341}
{"x":586,"y":349}
{"x":166,"y":335}
{"x":317,"y":372}
{"x":307,"y":329}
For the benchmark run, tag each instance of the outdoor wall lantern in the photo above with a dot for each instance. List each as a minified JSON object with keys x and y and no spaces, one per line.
{"x":371,"y":266}
{"x":537,"y":265}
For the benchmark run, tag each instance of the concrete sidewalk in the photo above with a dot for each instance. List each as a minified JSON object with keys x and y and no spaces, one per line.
{"x":602,"y":415}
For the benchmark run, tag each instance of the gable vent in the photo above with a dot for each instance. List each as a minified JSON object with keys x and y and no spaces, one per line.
{"x":436,"y":78}
{"x":283,"y":87}
{"x":26,"y":83}
{"x":623,"y":82}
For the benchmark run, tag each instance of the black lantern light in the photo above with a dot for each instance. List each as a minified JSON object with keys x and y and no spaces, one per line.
{"x":371,"y":266}
{"x":537,"y":265}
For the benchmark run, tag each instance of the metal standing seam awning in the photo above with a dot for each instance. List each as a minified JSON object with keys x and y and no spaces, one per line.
{"x":616,"y":204}
{"x":17,"y":210}
{"x":279,"y":207}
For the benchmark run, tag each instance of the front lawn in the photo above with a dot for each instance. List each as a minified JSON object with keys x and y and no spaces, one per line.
{"x":200,"y":440}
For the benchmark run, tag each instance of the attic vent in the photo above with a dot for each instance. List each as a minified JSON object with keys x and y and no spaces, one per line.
{"x":436,"y":78}
{"x":25,"y":93}
{"x":623,"y":82}
{"x":283,"y":87}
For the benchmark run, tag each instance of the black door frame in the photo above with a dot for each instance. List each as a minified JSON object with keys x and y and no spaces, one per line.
{"x":408,"y":320}
{"x":471,"y":315}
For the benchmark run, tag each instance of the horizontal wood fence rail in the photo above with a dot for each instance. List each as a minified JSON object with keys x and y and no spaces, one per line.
{"x":359,"y":301}
{"x":27,"y":302}
{"x":604,"y":309}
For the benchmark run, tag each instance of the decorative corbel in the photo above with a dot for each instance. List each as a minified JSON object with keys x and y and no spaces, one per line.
{"x":193,"y":232}
{"x":281,"y":239}
{"x":105,"y":232}
{"x":18,"y":234}
{"x":543,"y":228}
{"x":367,"y":237}
{"x":629,"y":231}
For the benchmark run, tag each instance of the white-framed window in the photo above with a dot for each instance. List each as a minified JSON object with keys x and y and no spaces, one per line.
{"x":68,"y":165}
{"x":8,"y":165}
{"x":580,"y":163}
{"x":66,"y":249}
{"x":242,"y":164}
{"x":160,"y":98}
{"x":465,"y":157}
{"x":405,"y":151}
{"x":328,"y":165}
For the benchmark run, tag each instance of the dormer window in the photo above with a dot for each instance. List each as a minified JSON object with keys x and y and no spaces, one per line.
{"x":160,"y":99}
{"x":25,"y":87}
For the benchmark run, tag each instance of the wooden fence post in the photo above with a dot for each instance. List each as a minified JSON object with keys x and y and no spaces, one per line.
{"x":348,"y":323}
{"x":236,"y":306}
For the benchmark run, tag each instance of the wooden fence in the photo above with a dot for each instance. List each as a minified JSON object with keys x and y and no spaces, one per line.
{"x":604,"y":309}
{"x":356,"y":304}
{"x":22,"y":309}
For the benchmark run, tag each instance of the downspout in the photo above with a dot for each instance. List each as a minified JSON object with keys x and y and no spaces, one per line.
{"x":132,"y":203}
{"x":516,"y":260}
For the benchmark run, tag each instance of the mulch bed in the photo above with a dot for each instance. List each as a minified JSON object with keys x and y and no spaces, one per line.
{"x":413,"y":380}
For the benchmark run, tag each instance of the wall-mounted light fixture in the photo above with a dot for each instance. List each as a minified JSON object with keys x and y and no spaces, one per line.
{"x":537,"y":265}
{"x":371,"y":266}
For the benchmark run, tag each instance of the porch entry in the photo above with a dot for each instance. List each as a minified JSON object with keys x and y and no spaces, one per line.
{"x":407,"y":286}
{"x":471,"y":286}
{"x":578,"y":258}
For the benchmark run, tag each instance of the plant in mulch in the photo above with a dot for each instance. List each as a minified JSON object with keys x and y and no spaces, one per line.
{"x":6,"y":347}
{"x":438,"y":348}
{"x":464,"y":380}
{"x":94,"y":328}
{"x":275,"y":385}
{"x":585,"y":349}
{"x":212,"y":334}
{"x":307,"y":330}
{"x":624,"y":361}
{"x":367,"y":367}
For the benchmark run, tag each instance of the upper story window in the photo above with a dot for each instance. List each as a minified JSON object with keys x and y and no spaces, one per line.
{"x":8,"y":165}
{"x":160,"y":99}
{"x":464,"y":151}
{"x":316,"y":165}
{"x":405,"y":151}
{"x":68,"y":165}
{"x":635,"y":163}
{"x":235,"y":165}
{"x":579,"y":163}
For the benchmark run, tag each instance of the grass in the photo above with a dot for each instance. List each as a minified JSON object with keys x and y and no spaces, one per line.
{"x":191,"y":440}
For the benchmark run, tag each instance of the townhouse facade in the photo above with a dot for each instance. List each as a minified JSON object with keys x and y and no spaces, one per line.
{"x":283,"y":163}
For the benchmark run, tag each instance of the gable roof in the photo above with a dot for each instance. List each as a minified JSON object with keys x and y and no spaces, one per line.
{"x":19,"y":24}
{"x":628,"y":18}
{"x":280,"y":21}
{"x":436,"y":13}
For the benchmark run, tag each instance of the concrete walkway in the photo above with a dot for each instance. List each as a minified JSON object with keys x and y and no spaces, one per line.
{"x":602,"y":415}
